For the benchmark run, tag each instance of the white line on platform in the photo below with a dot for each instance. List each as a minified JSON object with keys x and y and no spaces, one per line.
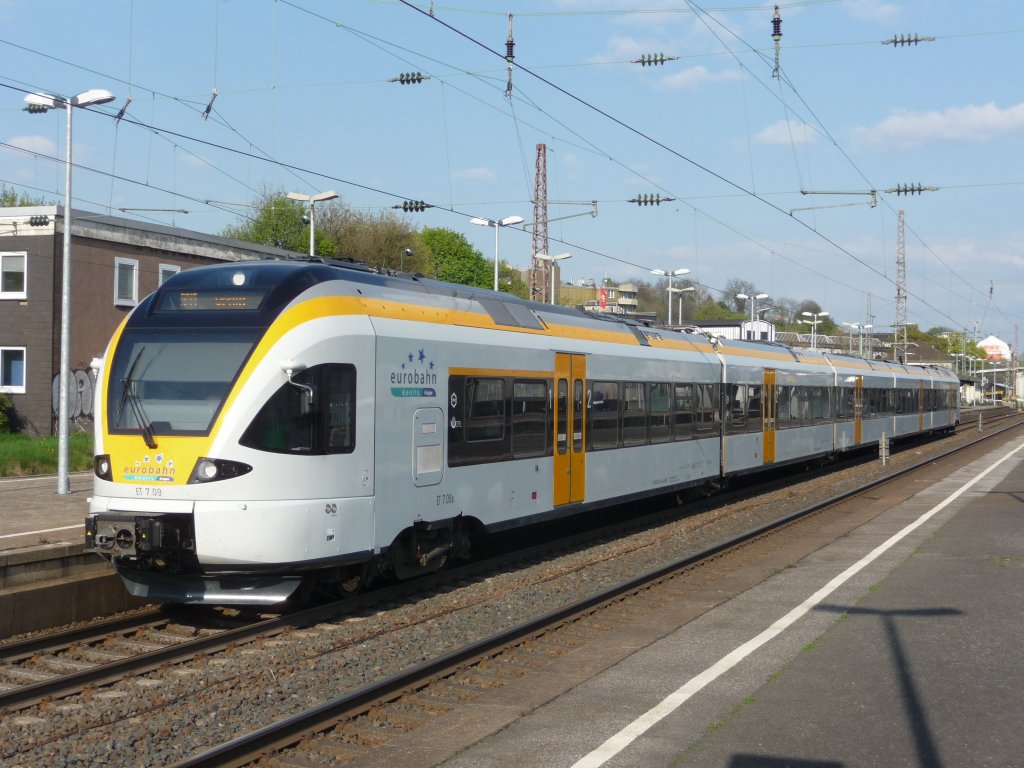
{"x":673,"y":701}
{"x":37,"y":533}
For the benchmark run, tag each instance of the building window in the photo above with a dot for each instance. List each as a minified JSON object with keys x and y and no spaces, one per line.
{"x":12,"y":370}
{"x":126,"y":282}
{"x":12,"y":275}
{"x":167,"y":271}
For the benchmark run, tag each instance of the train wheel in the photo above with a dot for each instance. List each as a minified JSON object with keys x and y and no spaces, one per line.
{"x":353,"y":581}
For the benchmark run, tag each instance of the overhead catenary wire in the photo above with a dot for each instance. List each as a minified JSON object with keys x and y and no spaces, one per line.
{"x":452,"y":202}
{"x":656,"y":142}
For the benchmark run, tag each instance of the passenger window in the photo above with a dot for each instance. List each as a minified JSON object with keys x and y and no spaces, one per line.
{"x":660,"y":399}
{"x":530,"y":419}
{"x":754,"y":408}
{"x":603,"y":415}
{"x":685,"y":405}
{"x":485,"y":409}
{"x":634,"y":414}
{"x":736,"y":408}
{"x":707,"y":415}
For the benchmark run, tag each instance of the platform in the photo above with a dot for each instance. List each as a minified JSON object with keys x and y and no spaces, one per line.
{"x":897,"y":645}
{"x":47,"y":577}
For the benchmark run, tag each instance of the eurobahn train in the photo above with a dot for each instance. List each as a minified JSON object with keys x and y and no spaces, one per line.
{"x":268,"y":427}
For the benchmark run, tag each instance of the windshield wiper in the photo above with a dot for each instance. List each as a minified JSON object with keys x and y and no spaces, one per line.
{"x":126,"y":383}
{"x":128,"y":396}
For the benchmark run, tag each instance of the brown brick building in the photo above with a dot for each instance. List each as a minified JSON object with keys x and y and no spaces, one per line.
{"x":115,"y":262}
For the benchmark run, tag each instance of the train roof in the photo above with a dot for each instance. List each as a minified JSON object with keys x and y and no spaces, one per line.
{"x":282,"y":280}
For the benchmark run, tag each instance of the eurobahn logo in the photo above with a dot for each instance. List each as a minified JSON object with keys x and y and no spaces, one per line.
{"x":152,"y":469}
{"x":414,"y":377}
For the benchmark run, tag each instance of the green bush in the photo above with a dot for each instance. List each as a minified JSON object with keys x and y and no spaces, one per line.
{"x":6,"y":406}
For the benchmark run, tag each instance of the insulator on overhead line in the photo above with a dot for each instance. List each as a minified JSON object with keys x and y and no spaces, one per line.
{"x":654,"y":59}
{"x":651,"y":199}
{"x":900,"y":41}
{"x":407,"y":78}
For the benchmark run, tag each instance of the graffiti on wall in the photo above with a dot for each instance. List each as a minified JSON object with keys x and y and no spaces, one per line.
{"x":80,"y":391}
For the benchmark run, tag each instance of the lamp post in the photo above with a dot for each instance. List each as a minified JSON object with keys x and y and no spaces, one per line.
{"x":312,"y":200}
{"x":814,"y":325}
{"x":859,"y":329}
{"x":853,"y":327}
{"x":681,"y":291}
{"x":44,"y":102}
{"x":497,"y":224}
{"x":753,"y":304}
{"x":552,"y":259}
{"x":670,"y":274}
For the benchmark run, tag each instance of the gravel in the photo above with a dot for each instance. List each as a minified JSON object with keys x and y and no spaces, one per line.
{"x":170,"y":714}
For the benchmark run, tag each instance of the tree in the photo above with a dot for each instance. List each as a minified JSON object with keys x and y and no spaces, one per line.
{"x":734,"y":287}
{"x":649,"y":298}
{"x":455,"y":260}
{"x":711,"y":311}
{"x":380,"y":238}
{"x":9,"y":198}
{"x":277,"y":221}
{"x":510,"y":281}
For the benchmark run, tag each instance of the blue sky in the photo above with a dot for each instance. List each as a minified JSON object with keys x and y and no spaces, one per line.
{"x":304,"y":103}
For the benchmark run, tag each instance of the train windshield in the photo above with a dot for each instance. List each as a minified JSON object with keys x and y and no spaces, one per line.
{"x":174,"y":381}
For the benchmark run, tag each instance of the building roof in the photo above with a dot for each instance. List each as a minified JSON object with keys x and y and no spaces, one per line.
{"x":120,"y":229}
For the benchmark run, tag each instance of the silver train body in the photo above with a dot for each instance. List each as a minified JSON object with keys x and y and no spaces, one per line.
{"x":262,"y":425}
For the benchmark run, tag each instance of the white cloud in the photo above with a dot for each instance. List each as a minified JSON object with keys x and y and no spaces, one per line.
{"x":476,"y":174}
{"x":871,"y":10}
{"x":786,"y":132}
{"x":694,"y":77}
{"x":37,"y":144}
{"x":194,"y":161}
{"x":620,"y":48}
{"x":971,"y":123}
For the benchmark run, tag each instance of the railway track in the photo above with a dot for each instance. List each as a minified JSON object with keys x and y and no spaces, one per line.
{"x":346,"y":727}
{"x":64,"y":663}
{"x":55,"y":668}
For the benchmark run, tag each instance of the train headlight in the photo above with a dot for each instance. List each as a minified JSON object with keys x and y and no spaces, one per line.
{"x":210,"y":470}
{"x":206,"y":470}
{"x":101,"y":466}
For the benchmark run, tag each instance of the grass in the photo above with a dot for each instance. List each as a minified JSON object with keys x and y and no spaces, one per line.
{"x":22,"y":455}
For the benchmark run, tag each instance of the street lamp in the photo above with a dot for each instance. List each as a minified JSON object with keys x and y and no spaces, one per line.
{"x":497,"y":224}
{"x":312,"y":200}
{"x":753,"y":304}
{"x":680,"y":291}
{"x":814,"y":325}
{"x":44,"y":102}
{"x":859,"y":328}
{"x":670,"y":274}
{"x":552,"y":259}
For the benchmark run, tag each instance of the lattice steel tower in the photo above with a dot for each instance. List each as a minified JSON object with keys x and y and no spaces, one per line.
{"x":899,"y":338}
{"x":539,"y":282}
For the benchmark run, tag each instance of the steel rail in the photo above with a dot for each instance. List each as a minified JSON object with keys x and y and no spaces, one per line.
{"x":90,"y":633}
